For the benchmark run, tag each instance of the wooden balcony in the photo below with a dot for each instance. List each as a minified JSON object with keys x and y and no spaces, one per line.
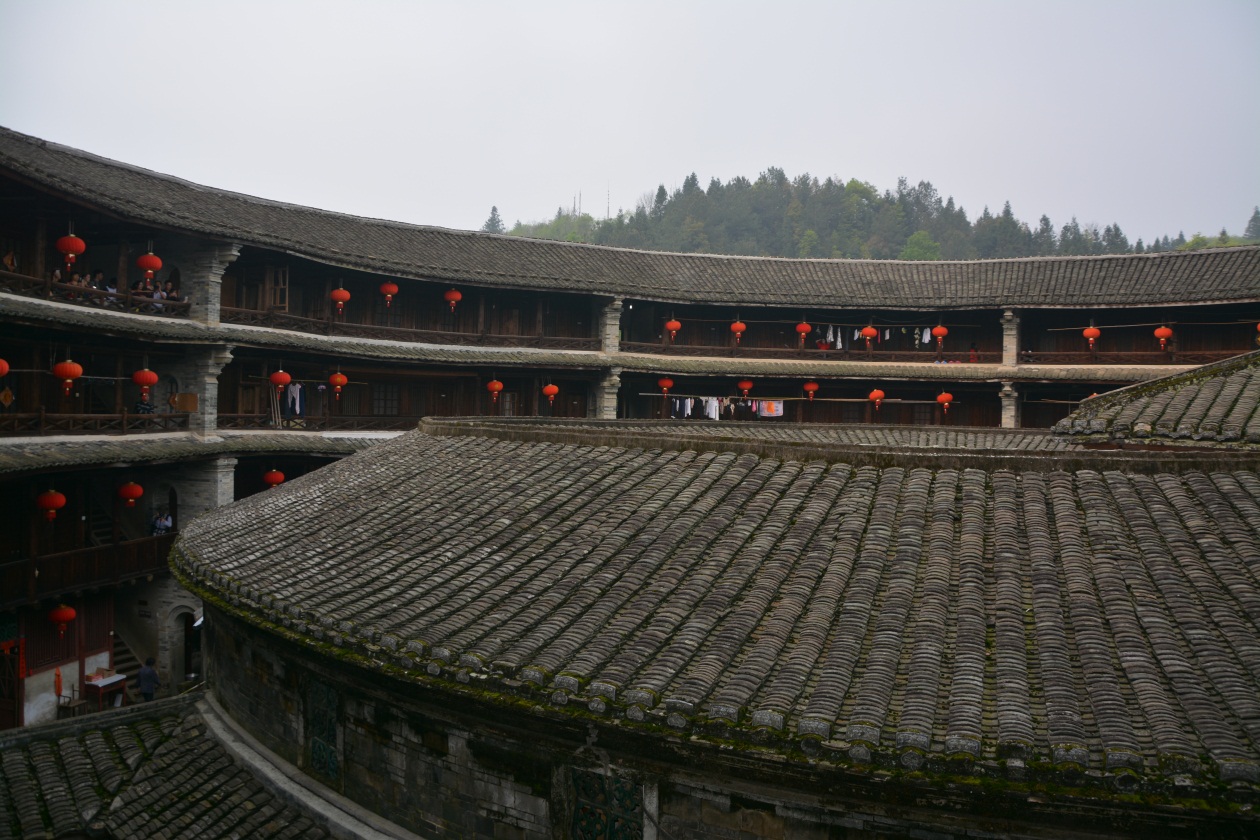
{"x":926,"y":356}
{"x":45,"y":423}
{"x":121,"y":301}
{"x":286,"y":321}
{"x":1149,"y":357}
{"x":55,"y":575}
{"x":264,"y":422}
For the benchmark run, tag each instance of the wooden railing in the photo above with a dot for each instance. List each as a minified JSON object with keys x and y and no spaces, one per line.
{"x":809,"y":352}
{"x":318,"y":423}
{"x":44,"y":423}
{"x":285,"y":321}
{"x":29,"y":580}
{"x":120,"y":301}
{"x":1148,"y":357}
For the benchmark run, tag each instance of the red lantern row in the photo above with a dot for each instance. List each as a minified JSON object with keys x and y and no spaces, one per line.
{"x":341,"y":296}
{"x":1163,"y":333}
{"x":550,"y":391}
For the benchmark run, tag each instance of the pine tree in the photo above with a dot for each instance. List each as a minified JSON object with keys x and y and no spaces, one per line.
{"x":1253,"y":226}
{"x":494,"y":224}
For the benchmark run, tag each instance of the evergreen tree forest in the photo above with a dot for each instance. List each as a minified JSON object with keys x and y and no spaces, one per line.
{"x":779,"y":216}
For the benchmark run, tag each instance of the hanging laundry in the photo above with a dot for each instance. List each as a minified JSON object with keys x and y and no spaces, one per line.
{"x":295,"y":400}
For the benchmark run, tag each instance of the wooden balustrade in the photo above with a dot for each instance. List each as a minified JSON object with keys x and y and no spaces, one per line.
{"x":121,"y":301}
{"x":52,"y":575}
{"x":319,"y":423}
{"x":317,"y":326}
{"x":46,"y":423}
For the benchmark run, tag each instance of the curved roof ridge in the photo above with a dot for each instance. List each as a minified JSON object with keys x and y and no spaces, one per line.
{"x":428,"y":252}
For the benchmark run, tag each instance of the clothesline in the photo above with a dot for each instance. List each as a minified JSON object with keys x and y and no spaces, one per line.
{"x":751,"y":398}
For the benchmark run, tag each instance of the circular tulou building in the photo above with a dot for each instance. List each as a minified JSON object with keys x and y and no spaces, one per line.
{"x":522,"y":628}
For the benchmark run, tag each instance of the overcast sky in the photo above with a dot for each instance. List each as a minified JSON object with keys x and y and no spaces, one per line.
{"x":1144,"y":113}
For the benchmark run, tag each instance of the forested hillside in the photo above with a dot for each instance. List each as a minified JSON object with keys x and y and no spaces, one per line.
{"x":803,"y":217}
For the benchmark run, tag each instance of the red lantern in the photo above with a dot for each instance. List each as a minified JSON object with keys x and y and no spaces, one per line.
{"x":50,"y":501}
{"x":146,"y":379}
{"x":939,"y":333}
{"x":1163,"y":334}
{"x":810,"y":389}
{"x":338,"y":381}
{"x":665,"y":383}
{"x":494,"y":386}
{"x":803,"y":329}
{"x":877,"y":397}
{"x":673,"y":326}
{"x":550,"y":392}
{"x":453,"y":297}
{"x":340,"y":297}
{"x":280,"y":379}
{"x":389,"y":290}
{"x":1091,"y":333}
{"x":744,"y":385}
{"x":130,"y":492}
{"x":869,"y":332}
{"x":67,"y":372}
{"x":273,"y":477}
{"x":61,"y":616}
{"x":71,"y":246}
{"x":4,"y":368}
{"x":738,"y":328}
{"x":149,"y":263}
{"x":945,"y":398}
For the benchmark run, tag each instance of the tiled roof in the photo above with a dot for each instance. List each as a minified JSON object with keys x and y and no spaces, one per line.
{"x":22,"y":454}
{"x":1217,"y":275}
{"x":1214,"y":405}
{"x":1096,"y":619}
{"x":146,"y":775}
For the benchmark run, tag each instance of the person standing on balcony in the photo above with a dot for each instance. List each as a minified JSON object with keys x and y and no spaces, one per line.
{"x":162,"y":523}
{"x":147,"y":680}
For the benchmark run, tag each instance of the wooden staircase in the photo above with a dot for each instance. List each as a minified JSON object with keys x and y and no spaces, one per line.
{"x":126,"y":662}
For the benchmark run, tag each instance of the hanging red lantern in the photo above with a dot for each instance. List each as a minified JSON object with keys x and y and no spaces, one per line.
{"x":338,"y":381}
{"x":494,"y":386}
{"x":146,"y":379}
{"x":673,"y":326}
{"x":1092,"y":334}
{"x":280,"y":379}
{"x":50,"y":501}
{"x":67,"y":372}
{"x":389,"y":290}
{"x":4,"y":368}
{"x":869,"y":332}
{"x":130,"y":492}
{"x":340,"y":297}
{"x":62,"y":615}
{"x":944,"y":398}
{"x":877,"y":397}
{"x":453,"y":296}
{"x":811,"y":388}
{"x":744,"y":385}
{"x":738,"y":328}
{"x":665,"y":383}
{"x":273,"y":477}
{"x":1163,"y":334}
{"x":803,"y":329}
{"x":71,"y":247}
{"x":150,"y":263}
{"x":550,"y":392}
{"x":939,"y":332}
